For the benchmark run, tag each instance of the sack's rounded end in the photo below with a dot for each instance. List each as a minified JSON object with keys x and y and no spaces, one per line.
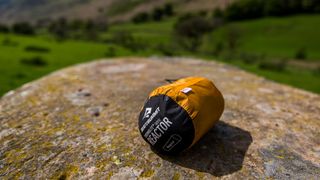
{"x":165,"y":125}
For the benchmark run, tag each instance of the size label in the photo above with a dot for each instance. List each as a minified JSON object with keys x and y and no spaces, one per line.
{"x":186,"y":90}
{"x":172,"y":142}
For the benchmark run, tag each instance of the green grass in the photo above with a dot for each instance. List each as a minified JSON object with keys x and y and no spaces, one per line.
{"x":304,"y":79}
{"x":274,"y":37}
{"x":62,"y":54}
{"x":150,"y":33}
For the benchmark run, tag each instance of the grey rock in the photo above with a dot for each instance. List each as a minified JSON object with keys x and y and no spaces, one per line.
{"x":81,"y":123}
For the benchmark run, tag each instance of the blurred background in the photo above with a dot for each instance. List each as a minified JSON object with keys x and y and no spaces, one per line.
{"x":277,"y":39}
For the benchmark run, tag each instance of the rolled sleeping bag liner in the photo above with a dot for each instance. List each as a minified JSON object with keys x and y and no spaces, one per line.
{"x":177,"y":115}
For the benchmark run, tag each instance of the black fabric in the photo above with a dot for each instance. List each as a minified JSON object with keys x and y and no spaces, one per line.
{"x":165,"y":125}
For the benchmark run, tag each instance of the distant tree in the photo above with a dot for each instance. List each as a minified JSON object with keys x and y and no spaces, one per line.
{"x":141,"y":17}
{"x":311,"y":6}
{"x":125,"y":39}
{"x":307,"y":5}
{"x":91,"y":30}
{"x":89,"y":25}
{"x":217,"y":13}
{"x":4,"y":28}
{"x":285,"y":7}
{"x":276,"y":8}
{"x":317,"y":7}
{"x":23,"y":28}
{"x":294,"y":6}
{"x":301,"y":53}
{"x":218,"y":17}
{"x":251,"y":9}
{"x":101,"y":24}
{"x":203,"y":13}
{"x":59,"y":28}
{"x":76,"y":24}
{"x":232,"y":11}
{"x":168,"y":9}
{"x":245,"y":9}
{"x":189,"y":29}
{"x":157,"y":14}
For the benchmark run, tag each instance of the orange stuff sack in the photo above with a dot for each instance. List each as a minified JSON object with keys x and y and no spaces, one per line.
{"x":177,"y":115}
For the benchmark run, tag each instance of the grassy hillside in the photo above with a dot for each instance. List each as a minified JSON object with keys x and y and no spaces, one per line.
{"x":274,"y":37}
{"x":152,"y":33}
{"x":259,"y":43}
{"x":275,"y":40}
{"x":302,"y":78}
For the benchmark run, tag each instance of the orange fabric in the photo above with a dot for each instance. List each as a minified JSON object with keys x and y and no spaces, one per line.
{"x":204,"y":103}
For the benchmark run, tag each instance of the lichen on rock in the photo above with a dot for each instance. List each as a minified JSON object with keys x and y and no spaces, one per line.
{"x":81,"y":123}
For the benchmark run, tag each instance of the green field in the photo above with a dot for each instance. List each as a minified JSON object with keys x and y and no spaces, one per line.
{"x":152,"y":32}
{"x":275,"y":37}
{"x":61,"y":54}
{"x":272,"y":38}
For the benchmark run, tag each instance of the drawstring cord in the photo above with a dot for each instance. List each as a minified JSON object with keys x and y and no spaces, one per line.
{"x":171,"y":80}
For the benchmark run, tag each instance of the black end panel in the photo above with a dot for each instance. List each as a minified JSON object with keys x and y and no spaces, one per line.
{"x":165,"y":125}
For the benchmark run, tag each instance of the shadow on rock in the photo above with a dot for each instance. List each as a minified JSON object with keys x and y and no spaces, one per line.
{"x":220,"y":152}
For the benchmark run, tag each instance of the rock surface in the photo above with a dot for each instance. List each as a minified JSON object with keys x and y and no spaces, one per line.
{"x":81,"y":123}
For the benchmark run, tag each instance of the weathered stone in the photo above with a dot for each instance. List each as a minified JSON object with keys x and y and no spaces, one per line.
{"x":81,"y":122}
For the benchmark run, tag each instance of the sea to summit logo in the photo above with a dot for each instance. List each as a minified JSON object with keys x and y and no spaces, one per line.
{"x":147,"y":113}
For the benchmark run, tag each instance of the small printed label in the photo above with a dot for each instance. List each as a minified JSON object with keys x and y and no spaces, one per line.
{"x":186,"y":90}
{"x":172,"y":142}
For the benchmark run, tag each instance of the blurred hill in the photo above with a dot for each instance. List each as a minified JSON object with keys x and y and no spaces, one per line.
{"x":31,"y":10}
{"x":115,"y":10}
{"x":275,"y":39}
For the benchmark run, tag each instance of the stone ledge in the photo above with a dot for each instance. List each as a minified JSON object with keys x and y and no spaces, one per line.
{"x":81,"y":122}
